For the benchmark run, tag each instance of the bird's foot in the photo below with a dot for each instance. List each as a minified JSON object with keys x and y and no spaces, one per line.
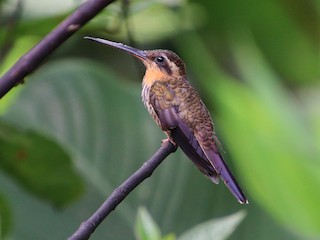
{"x":170,"y":140}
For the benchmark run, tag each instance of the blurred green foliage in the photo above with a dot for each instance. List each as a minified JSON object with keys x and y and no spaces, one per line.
{"x":219,"y":229}
{"x":256,"y":65}
{"x":28,"y":157}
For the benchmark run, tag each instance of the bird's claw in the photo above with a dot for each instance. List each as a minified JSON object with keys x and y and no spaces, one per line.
{"x":170,"y":140}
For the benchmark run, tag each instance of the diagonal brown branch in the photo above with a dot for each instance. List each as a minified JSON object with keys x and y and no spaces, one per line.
{"x":121,"y":192}
{"x":32,"y":59}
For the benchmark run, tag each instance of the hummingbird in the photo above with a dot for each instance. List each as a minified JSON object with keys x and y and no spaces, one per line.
{"x":178,"y":110}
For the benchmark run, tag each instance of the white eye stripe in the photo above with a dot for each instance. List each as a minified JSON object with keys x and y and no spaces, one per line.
{"x":175,"y":69}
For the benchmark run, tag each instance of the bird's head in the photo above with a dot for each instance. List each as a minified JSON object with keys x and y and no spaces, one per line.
{"x":160,"y":64}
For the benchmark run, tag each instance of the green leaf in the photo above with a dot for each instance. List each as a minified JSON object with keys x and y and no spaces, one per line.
{"x":218,"y":229}
{"x":99,"y":119}
{"x":39,"y":165}
{"x":170,"y":236}
{"x":270,"y":116}
{"x":146,"y":228}
{"x":102,"y":123}
{"x":270,"y":143}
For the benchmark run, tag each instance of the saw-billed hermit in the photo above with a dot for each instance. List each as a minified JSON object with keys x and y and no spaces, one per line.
{"x":179,"y":111}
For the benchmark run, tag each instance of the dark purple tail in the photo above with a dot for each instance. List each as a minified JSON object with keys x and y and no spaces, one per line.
{"x":222,"y":169}
{"x":208,"y":161}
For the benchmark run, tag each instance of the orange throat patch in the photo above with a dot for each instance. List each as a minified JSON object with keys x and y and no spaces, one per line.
{"x":153,"y":74}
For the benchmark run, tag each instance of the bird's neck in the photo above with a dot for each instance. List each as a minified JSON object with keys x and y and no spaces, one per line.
{"x":152,"y":75}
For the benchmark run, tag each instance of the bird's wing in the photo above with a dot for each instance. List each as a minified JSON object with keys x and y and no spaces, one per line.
{"x":213,"y":168}
{"x":189,"y":143}
{"x":169,"y":119}
{"x":207,"y":159}
{"x":185,"y":139}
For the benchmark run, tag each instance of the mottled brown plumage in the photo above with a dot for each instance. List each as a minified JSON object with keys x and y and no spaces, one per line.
{"x":179,"y":111}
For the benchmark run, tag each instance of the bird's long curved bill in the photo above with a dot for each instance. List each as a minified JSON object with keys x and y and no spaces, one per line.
{"x":133,"y":51}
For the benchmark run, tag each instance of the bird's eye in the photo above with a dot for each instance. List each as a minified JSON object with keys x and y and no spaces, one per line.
{"x":160,"y":59}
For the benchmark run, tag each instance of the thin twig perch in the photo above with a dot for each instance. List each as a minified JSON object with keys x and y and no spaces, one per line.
{"x":121,"y":192}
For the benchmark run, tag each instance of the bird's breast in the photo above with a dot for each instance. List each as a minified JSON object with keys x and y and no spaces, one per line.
{"x":146,"y":99}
